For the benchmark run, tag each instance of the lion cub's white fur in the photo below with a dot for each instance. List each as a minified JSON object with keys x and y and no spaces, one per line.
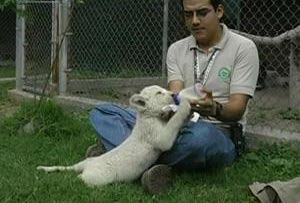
{"x":150,"y":137}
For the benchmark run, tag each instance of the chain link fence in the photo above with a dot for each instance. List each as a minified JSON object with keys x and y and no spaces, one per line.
{"x":37,"y":45}
{"x":114,"y":40}
{"x":109,"y":49}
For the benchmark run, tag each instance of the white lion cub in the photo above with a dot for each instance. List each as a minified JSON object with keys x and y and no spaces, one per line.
{"x":151,"y":136}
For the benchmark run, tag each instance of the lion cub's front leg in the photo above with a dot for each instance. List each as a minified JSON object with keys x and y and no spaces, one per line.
{"x":171,"y":130}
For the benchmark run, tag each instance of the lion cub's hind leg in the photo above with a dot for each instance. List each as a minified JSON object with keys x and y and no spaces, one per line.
{"x":98,"y":177}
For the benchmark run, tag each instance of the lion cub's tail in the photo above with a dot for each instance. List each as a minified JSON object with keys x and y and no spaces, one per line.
{"x":76,"y":167}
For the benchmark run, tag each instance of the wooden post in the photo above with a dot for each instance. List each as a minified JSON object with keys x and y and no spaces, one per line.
{"x":165,"y":37}
{"x":64,"y":11}
{"x":54,"y":49}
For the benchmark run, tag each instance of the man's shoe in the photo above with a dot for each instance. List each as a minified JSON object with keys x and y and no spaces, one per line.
{"x":95,"y":150}
{"x":157,"y":179}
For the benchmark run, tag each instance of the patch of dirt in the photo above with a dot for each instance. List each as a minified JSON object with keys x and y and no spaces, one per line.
{"x":266,"y":107}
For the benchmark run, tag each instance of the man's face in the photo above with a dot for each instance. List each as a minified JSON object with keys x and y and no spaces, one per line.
{"x":202,"y":20}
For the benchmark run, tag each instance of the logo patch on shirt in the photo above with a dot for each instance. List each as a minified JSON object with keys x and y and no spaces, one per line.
{"x":225,"y":73}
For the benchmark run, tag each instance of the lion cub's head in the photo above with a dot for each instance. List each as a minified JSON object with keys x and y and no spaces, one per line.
{"x":152,"y":100}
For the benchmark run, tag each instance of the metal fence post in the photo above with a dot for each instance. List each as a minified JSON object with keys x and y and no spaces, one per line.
{"x":63,"y":52}
{"x":165,"y":37}
{"x":20,"y":43}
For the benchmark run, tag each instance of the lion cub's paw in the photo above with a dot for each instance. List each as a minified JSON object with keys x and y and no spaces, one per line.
{"x":185,"y":106}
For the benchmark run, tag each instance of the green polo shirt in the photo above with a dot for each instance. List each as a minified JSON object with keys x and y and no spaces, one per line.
{"x":234,"y":70}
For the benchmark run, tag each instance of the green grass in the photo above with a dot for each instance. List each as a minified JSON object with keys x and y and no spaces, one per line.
{"x":62,"y":138}
{"x":7,"y":71}
{"x":4,"y":100}
{"x":290,"y":114}
{"x":21,"y":182}
{"x":113,"y":72}
{"x":4,"y":86}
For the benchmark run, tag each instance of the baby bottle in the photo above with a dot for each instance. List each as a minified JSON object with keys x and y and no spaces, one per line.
{"x":191,"y":93}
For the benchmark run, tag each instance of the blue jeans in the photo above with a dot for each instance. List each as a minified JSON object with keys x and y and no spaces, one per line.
{"x":199,"y":145}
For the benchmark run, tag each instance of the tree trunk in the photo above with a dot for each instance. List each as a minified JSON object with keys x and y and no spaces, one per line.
{"x":292,"y":37}
{"x":294,"y":94}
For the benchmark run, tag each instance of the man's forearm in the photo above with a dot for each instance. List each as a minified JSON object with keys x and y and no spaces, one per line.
{"x":233,"y":110}
{"x":228,"y":112}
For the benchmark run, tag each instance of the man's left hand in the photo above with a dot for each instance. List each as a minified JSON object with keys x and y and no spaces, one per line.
{"x":205,"y":106}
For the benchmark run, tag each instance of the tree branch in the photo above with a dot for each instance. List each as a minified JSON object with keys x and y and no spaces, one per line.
{"x":277,"y":41}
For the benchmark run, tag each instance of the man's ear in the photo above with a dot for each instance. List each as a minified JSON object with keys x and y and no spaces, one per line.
{"x":220,"y":11}
{"x":138,"y":102}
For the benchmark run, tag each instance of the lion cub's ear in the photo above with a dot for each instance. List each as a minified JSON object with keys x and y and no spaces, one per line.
{"x":138,"y":102}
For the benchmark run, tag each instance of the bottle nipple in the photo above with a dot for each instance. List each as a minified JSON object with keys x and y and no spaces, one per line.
{"x":176,"y":99}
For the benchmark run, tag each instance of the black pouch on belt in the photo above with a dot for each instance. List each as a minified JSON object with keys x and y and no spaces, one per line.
{"x":238,"y":138}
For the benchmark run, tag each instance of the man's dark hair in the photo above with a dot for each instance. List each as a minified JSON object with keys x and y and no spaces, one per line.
{"x":214,"y":3}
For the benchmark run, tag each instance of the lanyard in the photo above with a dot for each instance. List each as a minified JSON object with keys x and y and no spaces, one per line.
{"x":204,"y":75}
